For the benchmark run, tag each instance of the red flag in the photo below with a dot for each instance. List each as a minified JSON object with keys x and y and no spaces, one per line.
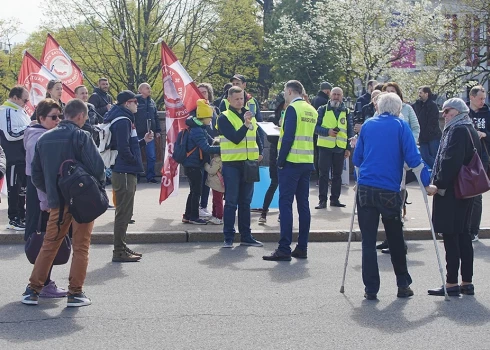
{"x":35,"y":77}
{"x":60,"y":64}
{"x":180,"y":95}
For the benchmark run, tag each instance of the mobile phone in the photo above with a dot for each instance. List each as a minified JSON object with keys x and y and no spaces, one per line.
{"x":336,"y":129}
{"x":148,"y":125}
{"x":252,"y":108}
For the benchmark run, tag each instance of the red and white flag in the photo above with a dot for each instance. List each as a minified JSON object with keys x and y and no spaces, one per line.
{"x":35,"y":77}
{"x":60,"y":64}
{"x":180,"y":95}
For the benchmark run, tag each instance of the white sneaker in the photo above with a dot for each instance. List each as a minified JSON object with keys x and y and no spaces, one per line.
{"x":215,"y":221}
{"x":204,"y":213}
{"x":475,"y":238}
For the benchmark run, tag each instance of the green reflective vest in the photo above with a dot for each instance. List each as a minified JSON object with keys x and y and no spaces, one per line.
{"x":330,"y":122}
{"x":302,"y":150}
{"x":246,"y":149}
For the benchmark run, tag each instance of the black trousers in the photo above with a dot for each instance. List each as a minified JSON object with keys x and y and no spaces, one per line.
{"x":194,"y":176}
{"x":16,"y":187}
{"x":330,"y":161}
{"x":476,"y":211}
{"x":269,"y":195}
{"x":459,"y":250}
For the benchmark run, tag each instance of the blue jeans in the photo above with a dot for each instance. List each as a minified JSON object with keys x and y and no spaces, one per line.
{"x":371,"y":203}
{"x":151,"y":158}
{"x":428,"y":151}
{"x":294,"y":180}
{"x":238,"y":194}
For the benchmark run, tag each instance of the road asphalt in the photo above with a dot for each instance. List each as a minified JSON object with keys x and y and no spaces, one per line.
{"x":198,"y":296}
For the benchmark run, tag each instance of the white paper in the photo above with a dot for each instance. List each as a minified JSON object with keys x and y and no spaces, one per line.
{"x":269,"y":128}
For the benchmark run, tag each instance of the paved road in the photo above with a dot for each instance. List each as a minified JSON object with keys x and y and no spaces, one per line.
{"x":162,"y":223}
{"x":196,"y":296}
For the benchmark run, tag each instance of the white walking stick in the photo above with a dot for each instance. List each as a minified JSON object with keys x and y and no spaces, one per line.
{"x":350,"y":233}
{"x":417,"y":171}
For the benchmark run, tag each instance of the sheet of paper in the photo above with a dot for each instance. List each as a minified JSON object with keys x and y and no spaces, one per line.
{"x":269,"y":128}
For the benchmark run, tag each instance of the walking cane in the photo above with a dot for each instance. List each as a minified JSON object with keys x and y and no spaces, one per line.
{"x":426,"y":200}
{"x":350,"y":233}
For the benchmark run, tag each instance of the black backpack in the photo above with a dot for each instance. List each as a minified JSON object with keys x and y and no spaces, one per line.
{"x":180,"y":147}
{"x":84,"y":194}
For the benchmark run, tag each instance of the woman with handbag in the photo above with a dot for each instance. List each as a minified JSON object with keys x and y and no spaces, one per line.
{"x":450,"y":213}
{"x":48,"y":114}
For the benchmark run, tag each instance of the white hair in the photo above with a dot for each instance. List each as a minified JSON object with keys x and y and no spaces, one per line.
{"x":389,"y":103}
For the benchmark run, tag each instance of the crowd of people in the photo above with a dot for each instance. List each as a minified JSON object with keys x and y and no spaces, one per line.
{"x":224,"y":149}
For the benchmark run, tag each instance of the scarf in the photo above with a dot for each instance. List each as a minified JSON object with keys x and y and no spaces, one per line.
{"x":460,"y":119}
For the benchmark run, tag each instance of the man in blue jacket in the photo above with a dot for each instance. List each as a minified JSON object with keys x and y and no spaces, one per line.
{"x":380,"y":161}
{"x":128,"y":164}
{"x":146,"y":119}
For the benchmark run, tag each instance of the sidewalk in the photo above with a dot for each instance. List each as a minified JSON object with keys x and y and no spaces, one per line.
{"x":162,"y":223}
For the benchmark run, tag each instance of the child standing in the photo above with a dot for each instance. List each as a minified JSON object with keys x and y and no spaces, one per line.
{"x":215,"y":182}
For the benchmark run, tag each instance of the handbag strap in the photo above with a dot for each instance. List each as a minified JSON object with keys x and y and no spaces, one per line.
{"x":471,"y":138}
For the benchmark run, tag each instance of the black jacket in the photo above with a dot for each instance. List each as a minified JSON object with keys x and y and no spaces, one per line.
{"x":449,"y":214}
{"x":147,"y":111}
{"x":428,"y":115}
{"x":66,"y":141}
{"x":320,"y":99}
{"x":125,"y":141}
{"x":100,"y":99}
{"x":481,"y":121}
{"x":361,"y":102}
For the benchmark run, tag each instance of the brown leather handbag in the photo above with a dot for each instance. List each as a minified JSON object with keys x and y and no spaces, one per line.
{"x":472,"y":179}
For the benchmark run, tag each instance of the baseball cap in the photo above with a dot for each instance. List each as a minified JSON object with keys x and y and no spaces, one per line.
{"x":239,"y":77}
{"x":124,"y":96}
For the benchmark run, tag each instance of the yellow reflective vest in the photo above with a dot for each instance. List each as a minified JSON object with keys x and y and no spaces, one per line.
{"x":330,"y":122}
{"x":302,"y":149}
{"x":247,"y":149}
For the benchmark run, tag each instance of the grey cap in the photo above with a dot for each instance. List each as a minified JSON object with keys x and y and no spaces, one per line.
{"x":456,"y":103}
{"x":325,"y":86}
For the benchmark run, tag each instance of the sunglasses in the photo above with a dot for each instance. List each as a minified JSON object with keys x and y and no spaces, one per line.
{"x":132,"y":101}
{"x":446,"y":111}
{"x":53,"y":117}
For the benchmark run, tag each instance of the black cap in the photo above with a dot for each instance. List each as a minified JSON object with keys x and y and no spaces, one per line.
{"x":124,"y":96}
{"x":239,"y":77}
{"x":325,"y":86}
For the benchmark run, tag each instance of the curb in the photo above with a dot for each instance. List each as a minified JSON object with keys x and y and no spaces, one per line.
{"x":264,"y":236}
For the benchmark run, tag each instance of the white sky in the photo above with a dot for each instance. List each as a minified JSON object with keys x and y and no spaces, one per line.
{"x":28,"y":12}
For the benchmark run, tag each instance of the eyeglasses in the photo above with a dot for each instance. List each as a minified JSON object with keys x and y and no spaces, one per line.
{"x":132,"y":101}
{"x":53,"y":117}
{"x":446,"y":111}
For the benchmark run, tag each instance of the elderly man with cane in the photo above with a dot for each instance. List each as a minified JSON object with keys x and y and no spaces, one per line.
{"x":380,"y":161}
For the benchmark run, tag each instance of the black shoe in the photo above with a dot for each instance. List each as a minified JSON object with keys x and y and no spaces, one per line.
{"x":131,"y":221}
{"x":321,"y":205}
{"x":451,"y":291}
{"x":299,"y":253}
{"x":153,"y":181}
{"x":337,"y":204}
{"x":404,"y":292}
{"x":468,"y":289}
{"x":370,"y":296}
{"x":124,"y":256}
{"x":383,"y":245}
{"x":133,"y":252}
{"x":277,"y":255}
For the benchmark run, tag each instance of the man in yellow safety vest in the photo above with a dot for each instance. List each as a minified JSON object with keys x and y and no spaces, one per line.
{"x":240,"y":145}
{"x":334,"y":128}
{"x":295,"y":164}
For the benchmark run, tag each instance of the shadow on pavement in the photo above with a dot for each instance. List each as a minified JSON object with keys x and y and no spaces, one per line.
{"x":22,"y":323}
{"x":388,"y":320}
{"x":227,"y":258}
{"x":108,"y":272}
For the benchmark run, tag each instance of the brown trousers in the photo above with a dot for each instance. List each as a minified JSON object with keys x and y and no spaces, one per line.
{"x":52,"y":242}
